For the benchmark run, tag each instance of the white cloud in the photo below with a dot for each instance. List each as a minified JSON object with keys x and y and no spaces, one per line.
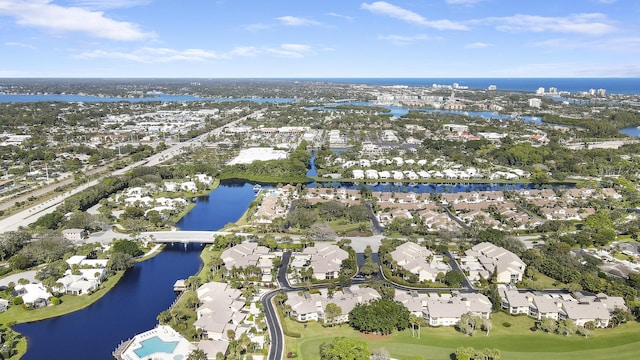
{"x":245,"y":51}
{"x":477,"y":45}
{"x":589,"y":24}
{"x":297,"y":21}
{"x":109,"y":4}
{"x":18,"y":44}
{"x":149,"y":55}
{"x":257,"y":27}
{"x":349,"y":18}
{"x":401,"y":40}
{"x":396,"y":12}
{"x":290,"y":50}
{"x":43,"y":14}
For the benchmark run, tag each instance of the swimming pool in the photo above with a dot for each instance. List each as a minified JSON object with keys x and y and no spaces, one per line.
{"x":154,"y":345}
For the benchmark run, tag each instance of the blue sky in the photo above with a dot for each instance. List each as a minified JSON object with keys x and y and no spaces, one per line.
{"x":319,"y":38}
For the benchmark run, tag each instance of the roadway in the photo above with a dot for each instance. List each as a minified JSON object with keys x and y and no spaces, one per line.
{"x":31,"y":214}
{"x":276,"y":350}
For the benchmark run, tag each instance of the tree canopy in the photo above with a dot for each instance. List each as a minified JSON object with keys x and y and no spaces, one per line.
{"x":343,"y":348}
{"x":380,"y":316}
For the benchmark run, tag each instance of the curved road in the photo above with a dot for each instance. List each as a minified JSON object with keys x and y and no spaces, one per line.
{"x":276,"y":350}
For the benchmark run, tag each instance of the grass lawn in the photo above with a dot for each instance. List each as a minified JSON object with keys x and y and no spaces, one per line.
{"x":70,"y":303}
{"x":205,"y":272}
{"x":515,"y":342}
{"x":21,"y":348}
{"x":544,"y":282}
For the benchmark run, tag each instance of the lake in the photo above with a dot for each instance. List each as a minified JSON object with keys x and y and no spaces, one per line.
{"x":145,"y":291}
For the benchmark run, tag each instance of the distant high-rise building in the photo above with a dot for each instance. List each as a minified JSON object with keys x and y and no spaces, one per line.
{"x":592,"y":91}
{"x":602,"y":92}
{"x":491,"y":87}
{"x":553,"y":90}
{"x":540,"y":91}
{"x":535,"y":102}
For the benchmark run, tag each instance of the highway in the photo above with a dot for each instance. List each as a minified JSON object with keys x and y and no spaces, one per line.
{"x":31,"y":214}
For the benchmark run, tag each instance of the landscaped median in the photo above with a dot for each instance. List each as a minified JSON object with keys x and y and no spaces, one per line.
{"x":515,"y":341}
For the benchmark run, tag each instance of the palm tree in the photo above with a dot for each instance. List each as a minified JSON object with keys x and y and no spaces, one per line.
{"x":193,"y":282}
{"x":281,"y":298}
{"x":487,"y":325}
{"x":197,"y":354}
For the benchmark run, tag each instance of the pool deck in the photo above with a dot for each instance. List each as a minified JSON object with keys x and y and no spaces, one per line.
{"x":127,"y":351}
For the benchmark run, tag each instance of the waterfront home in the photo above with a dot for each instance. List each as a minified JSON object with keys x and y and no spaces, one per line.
{"x":221,"y":309}
{"x":248,"y":254}
{"x":204,"y":178}
{"x":34,"y":295}
{"x":84,"y":280}
{"x":358,"y":174}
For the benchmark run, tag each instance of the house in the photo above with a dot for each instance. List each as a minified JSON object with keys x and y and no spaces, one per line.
{"x":74,"y":234}
{"x":34,"y":295}
{"x":220,"y":310}
{"x":84,"y":280}
{"x":558,"y":306}
{"x":248,"y":254}
{"x":419,"y":261}
{"x":325,"y":260}
{"x":189,"y":186}
{"x":507,"y":266}
{"x":204,"y":178}
{"x":447,"y":310}
{"x":4,"y":305}
{"x":311,"y":307}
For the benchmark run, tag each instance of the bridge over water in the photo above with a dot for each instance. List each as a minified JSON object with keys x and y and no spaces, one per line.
{"x":205,"y":237}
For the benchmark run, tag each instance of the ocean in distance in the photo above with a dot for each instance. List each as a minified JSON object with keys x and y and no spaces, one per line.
{"x":573,"y":85}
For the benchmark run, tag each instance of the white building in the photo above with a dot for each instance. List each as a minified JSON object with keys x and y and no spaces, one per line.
{"x":507,"y":266}
{"x":535,"y":102}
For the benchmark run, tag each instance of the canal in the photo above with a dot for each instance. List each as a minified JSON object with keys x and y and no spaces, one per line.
{"x":146,"y":290}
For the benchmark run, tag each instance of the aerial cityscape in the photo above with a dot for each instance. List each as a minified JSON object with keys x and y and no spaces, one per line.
{"x":443,"y":179}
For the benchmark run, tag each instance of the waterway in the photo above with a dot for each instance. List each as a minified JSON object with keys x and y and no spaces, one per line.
{"x":399,"y":111}
{"x":631,"y":131}
{"x":145,"y":291}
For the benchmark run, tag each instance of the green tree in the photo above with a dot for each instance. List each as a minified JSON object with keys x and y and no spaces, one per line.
{"x":120,"y":261}
{"x":127,"y":247}
{"x":380,"y":316}
{"x":369,"y":268}
{"x":197,"y":354}
{"x":331,"y":312}
{"x":343,"y":348}
{"x":454,"y":278}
